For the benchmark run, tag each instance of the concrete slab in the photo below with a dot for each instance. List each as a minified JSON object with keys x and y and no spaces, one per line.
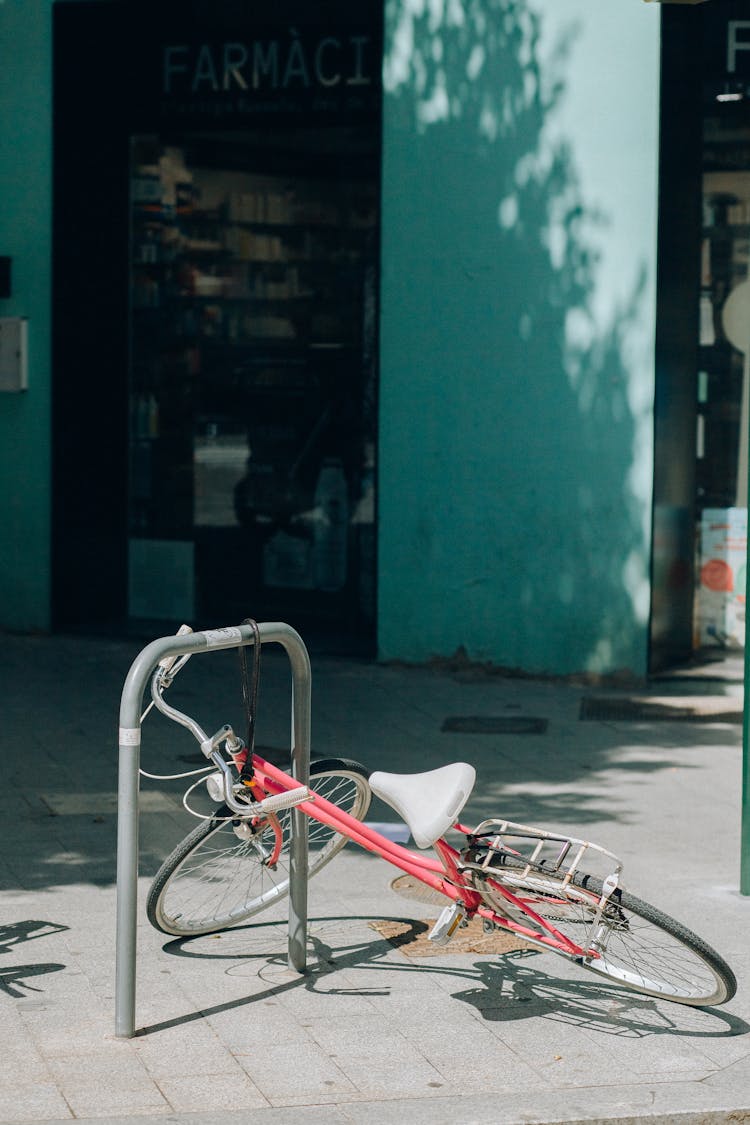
{"x":368,"y":1034}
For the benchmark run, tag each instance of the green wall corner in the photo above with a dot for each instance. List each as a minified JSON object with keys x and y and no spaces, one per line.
{"x":25,"y":236}
{"x":517,"y":328}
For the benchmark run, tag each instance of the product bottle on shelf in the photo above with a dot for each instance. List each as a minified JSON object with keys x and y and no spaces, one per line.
{"x":331,"y":528}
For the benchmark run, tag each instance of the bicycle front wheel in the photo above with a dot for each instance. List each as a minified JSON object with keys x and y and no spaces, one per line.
{"x":638,"y":946}
{"x":216,"y":878}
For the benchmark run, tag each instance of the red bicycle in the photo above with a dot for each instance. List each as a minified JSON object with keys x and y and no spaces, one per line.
{"x":542,"y":886}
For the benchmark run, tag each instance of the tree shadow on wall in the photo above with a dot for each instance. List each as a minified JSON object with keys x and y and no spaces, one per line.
{"x":539,"y":374}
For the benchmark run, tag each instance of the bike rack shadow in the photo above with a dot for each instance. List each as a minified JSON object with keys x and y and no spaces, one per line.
{"x":506,"y":988}
{"x":14,"y":933}
{"x":12,"y":977}
{"x":12,"y":980}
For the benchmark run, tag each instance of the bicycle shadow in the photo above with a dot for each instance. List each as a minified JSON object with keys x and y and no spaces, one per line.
{"x":12,"y":977}
{"x":507,"y":988}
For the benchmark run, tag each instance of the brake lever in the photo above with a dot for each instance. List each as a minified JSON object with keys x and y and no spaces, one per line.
{"x":168,"y":667}
{"x":171,"y":665}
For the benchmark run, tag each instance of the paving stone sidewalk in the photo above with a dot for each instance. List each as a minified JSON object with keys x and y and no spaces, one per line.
{"x":370,"y":1034}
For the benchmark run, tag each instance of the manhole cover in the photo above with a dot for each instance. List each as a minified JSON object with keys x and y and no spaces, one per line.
{"x":494,"y":724}
{"x":411,"y":938}
{"x":416,"y":891}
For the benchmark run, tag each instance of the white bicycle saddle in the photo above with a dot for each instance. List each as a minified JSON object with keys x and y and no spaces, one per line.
{"x":428,"y":802}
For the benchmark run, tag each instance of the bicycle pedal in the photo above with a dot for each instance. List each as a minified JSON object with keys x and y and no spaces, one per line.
{"x":449,"y":921}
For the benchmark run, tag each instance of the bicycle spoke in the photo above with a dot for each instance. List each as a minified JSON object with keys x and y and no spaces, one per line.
{"x":634,"y":944}
{"x":213,"y":879}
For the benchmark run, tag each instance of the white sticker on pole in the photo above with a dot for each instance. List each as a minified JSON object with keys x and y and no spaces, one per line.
{"x":222,"y":636}
{"x":130,"y":736}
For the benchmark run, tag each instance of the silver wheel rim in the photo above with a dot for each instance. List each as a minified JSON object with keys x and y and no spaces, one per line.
{"x":221,"y":882}
{"x":636,"y":952}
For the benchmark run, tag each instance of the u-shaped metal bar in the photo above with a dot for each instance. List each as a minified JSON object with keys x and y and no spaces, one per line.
{"x":131,"y":703}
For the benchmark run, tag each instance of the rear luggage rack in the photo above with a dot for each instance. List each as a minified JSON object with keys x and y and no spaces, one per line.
{"x":540,"y":851}
{"x":528,"y":848}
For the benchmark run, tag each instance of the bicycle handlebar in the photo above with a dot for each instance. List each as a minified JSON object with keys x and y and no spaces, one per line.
{"x":171,"y":665}
{"x":271,"y":804}
{"x":286,"y":800}
{"x":162,"y":678}
{"x":159,"y":682}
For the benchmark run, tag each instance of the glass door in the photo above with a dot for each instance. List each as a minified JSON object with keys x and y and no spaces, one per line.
{"x":724,"y":372}
{"x":253,"y":378}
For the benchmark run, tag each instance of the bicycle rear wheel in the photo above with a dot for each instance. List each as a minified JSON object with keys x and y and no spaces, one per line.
{"x":215,"y":879}
{"x":639,"y":947}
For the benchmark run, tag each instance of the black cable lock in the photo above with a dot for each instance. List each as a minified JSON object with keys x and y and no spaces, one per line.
{"x":250,"y":696}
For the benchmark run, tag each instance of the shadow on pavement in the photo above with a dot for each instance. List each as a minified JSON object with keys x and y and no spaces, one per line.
{"x":63,"y":827}
{"x":12,"y":977}
{"x":506,"y":989}
{"x":13,"y":933}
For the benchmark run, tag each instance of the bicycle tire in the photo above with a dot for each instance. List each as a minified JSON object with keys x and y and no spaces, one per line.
{"x":213,"y":879}
{"x":645,"y":950}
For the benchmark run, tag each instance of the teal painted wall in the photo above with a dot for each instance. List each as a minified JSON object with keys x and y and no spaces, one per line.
{"x":517,"y":325}
{"x":519,"y":220}
{"x":25,"y":235}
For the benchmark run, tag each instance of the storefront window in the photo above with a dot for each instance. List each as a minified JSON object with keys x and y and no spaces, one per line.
{"x":723,"y":377}
{"x":252,"y":392}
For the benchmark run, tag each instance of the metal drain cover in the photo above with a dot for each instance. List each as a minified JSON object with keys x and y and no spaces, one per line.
{"x":416,"y":890}
{"x":411,"y":938}
{"x":631,"y":709}
{"x":494,"y":724}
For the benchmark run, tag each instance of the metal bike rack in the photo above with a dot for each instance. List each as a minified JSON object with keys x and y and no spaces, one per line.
{"x":131,"y":704}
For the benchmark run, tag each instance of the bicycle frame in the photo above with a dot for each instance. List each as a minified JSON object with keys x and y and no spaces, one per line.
{"x":443,"y":875}
{"x":494,"y":877}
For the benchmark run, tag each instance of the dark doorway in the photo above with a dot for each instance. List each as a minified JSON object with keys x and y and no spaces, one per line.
{"x":703,"y":340}
{"x":215,"y":336}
